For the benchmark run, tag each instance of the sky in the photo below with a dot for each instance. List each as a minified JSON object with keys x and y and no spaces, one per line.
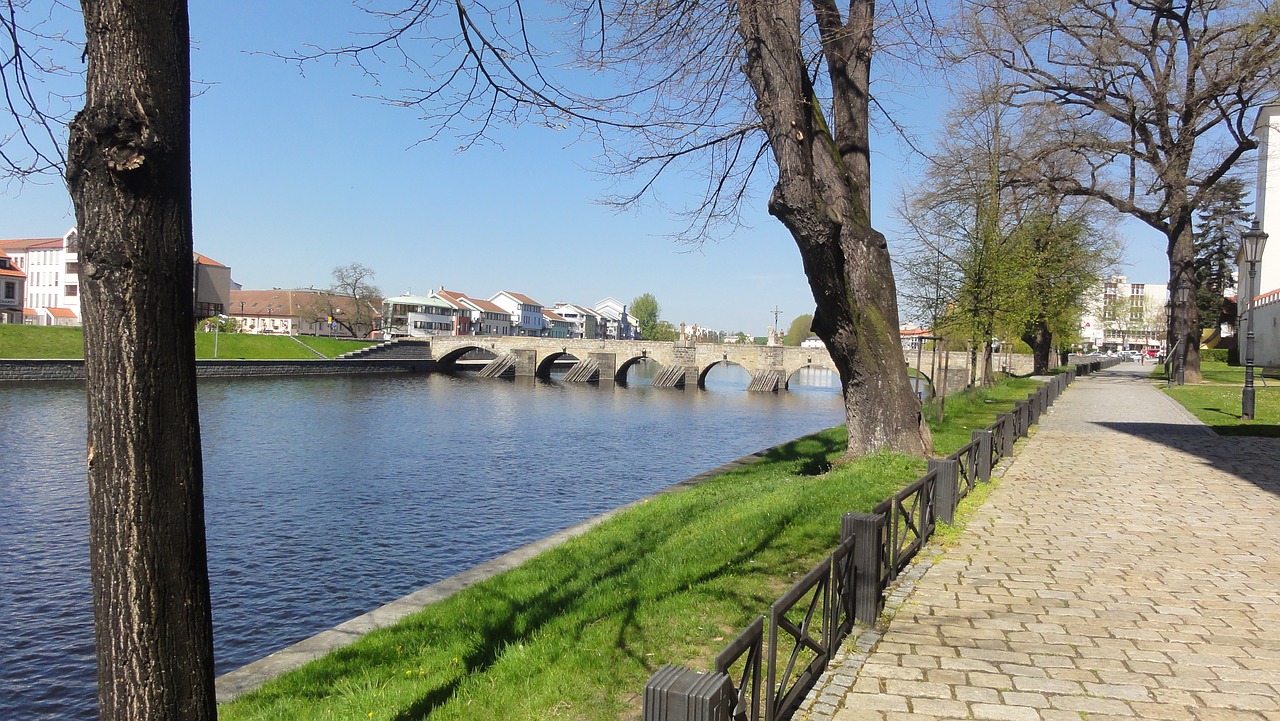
{"x":296,"y":173}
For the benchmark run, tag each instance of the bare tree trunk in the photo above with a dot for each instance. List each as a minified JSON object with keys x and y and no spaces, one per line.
{"x":823,"y":197}
{"x":129,"y":175}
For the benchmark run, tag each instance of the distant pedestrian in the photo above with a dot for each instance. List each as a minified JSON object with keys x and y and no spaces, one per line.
{"x":1142,"y":358}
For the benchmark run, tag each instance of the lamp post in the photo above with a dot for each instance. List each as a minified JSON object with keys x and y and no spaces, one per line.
{"x":1252,"y":243}
{"x":1182,"y":296}
{"x":217,"y":329}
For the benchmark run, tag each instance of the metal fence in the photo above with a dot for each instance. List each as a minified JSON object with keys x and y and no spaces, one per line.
{"x":764,"y":673}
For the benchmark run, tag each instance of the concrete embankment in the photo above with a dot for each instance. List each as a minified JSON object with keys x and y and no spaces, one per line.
{"x":71,"y":370}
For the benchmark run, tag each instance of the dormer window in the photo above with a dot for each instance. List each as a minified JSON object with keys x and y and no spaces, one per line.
{"x":4,"y":263}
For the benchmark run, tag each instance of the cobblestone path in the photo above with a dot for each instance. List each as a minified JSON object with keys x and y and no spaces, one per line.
{"x":1127,"y":566}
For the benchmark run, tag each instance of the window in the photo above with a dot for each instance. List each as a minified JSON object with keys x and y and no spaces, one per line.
{"x":73,"y":268}
{"x":4,"y":263}
{"x":10,"y":290}
{"x":71,"y":291}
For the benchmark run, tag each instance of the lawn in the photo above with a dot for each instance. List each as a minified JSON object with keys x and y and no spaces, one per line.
{"x":29,"y":341}
{"x":575,"y":632}
{"x":1217,"y":400}
{"x":32,"y":341}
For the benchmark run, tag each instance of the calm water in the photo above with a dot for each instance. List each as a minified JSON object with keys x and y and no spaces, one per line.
{"x":327,"y":497}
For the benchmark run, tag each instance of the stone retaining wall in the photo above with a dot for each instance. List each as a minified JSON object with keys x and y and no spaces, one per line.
{"x":68,"y":370}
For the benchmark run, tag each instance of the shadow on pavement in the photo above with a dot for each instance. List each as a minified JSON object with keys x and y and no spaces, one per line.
{"x":1250,"y":458}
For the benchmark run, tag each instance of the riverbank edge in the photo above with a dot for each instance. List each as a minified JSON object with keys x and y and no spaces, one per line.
{"x":252,"y":675}
{"x":38,"y":370}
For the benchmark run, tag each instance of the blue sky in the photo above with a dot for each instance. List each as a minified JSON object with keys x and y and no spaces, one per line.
{"x":294,"y":174}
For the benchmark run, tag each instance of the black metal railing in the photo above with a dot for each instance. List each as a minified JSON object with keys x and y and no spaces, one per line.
{"x":806,"y":626}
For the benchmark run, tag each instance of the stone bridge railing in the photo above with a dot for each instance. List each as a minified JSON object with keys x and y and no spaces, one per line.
{"x":681,"y":362}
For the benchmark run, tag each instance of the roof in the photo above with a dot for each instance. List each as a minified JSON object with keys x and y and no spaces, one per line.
{"x":578,"y":308}
{"x":521,"y":298}
{"x":28,"y":243}
{"x":13,"y":270}
{"x":552,"y":315}
{"x":483,"y":305}
{"x":62,"y":312}
{"x":29,"y":311}
{"x":300,"y":303}
{"x":205,"y":260}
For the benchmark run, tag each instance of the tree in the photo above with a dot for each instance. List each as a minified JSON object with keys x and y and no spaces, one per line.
{"x":645,"y":308}
{"x":129,"y":172}
{"x":663,"y":331}
{"x":351,"y":302}
{"x":1150,"y":101}
{"x":1223,"y":220}
{"x":799,"y":330}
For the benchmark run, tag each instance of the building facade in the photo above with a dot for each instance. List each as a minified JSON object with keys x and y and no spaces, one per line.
{"x":1126,"y":316}
{"x":13,"y":284}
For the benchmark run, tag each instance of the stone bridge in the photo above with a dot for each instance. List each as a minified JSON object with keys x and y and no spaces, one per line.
{"x":681,"y":362}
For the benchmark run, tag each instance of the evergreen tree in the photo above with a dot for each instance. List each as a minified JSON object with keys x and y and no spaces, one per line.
{"x":1220,"y":223}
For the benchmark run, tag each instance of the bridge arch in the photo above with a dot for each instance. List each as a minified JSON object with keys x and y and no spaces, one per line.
{"x":723,"y":361}
{"x":791,"y":372}
{"x":624,"y":367}
{"x":548,"y":360}
{"x":451,"y":358}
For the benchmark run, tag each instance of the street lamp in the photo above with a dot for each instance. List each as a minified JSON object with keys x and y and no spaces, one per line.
{"x":1252,"y":243}
{"x":217,"y":328}
{"x":1182,"y":295}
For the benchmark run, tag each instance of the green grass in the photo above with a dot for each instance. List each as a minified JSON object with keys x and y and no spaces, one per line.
{"x":575,"y":632}
{"x":974,"y":409}
{"x":1216,"y":401}
{"x":334,"y":347}
{"x":30,"y":341}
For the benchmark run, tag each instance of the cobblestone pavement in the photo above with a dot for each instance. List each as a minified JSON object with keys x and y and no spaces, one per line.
{"x":1128,"y":565}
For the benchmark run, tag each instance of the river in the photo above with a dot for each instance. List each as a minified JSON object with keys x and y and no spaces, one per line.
{"x":328,"y":496}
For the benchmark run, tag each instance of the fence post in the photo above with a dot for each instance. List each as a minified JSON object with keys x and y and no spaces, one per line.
{"x":982,"y":459}
{"x":946,"y":493}
{"x":1007,"y":433}
{"x":675,"y":693}
{"x":867,"y":530}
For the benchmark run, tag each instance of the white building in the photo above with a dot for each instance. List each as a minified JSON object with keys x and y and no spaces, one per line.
{"x":419,"y":316}
{"x":1125,"y":316}
{"x":52,"y":267}
{"x":618,"y":323}
{"x":526,"y":313}
{"x":586,"y":322}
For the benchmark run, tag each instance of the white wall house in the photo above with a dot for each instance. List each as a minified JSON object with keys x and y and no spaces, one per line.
{"x":585,"y":322}
{"x":418,"y":316}
{"x":618,"y":323}
{"x":526,"y":313}
{"x":1125,"y":316}
{"x":52,"y":267}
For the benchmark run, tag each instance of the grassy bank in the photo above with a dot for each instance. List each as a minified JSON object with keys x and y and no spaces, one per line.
{"x":1217,"y":400}
{"x":575,"y":632}
{"x":29,"y":341}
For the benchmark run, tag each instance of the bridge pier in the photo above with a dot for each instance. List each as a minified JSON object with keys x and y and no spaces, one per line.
{"x":526,"y":362}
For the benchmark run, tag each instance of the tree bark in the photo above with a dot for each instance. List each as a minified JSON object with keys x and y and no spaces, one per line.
{"x":1041,"y":342}
{"x":823,"y":196}
{"x":129,"y":175}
